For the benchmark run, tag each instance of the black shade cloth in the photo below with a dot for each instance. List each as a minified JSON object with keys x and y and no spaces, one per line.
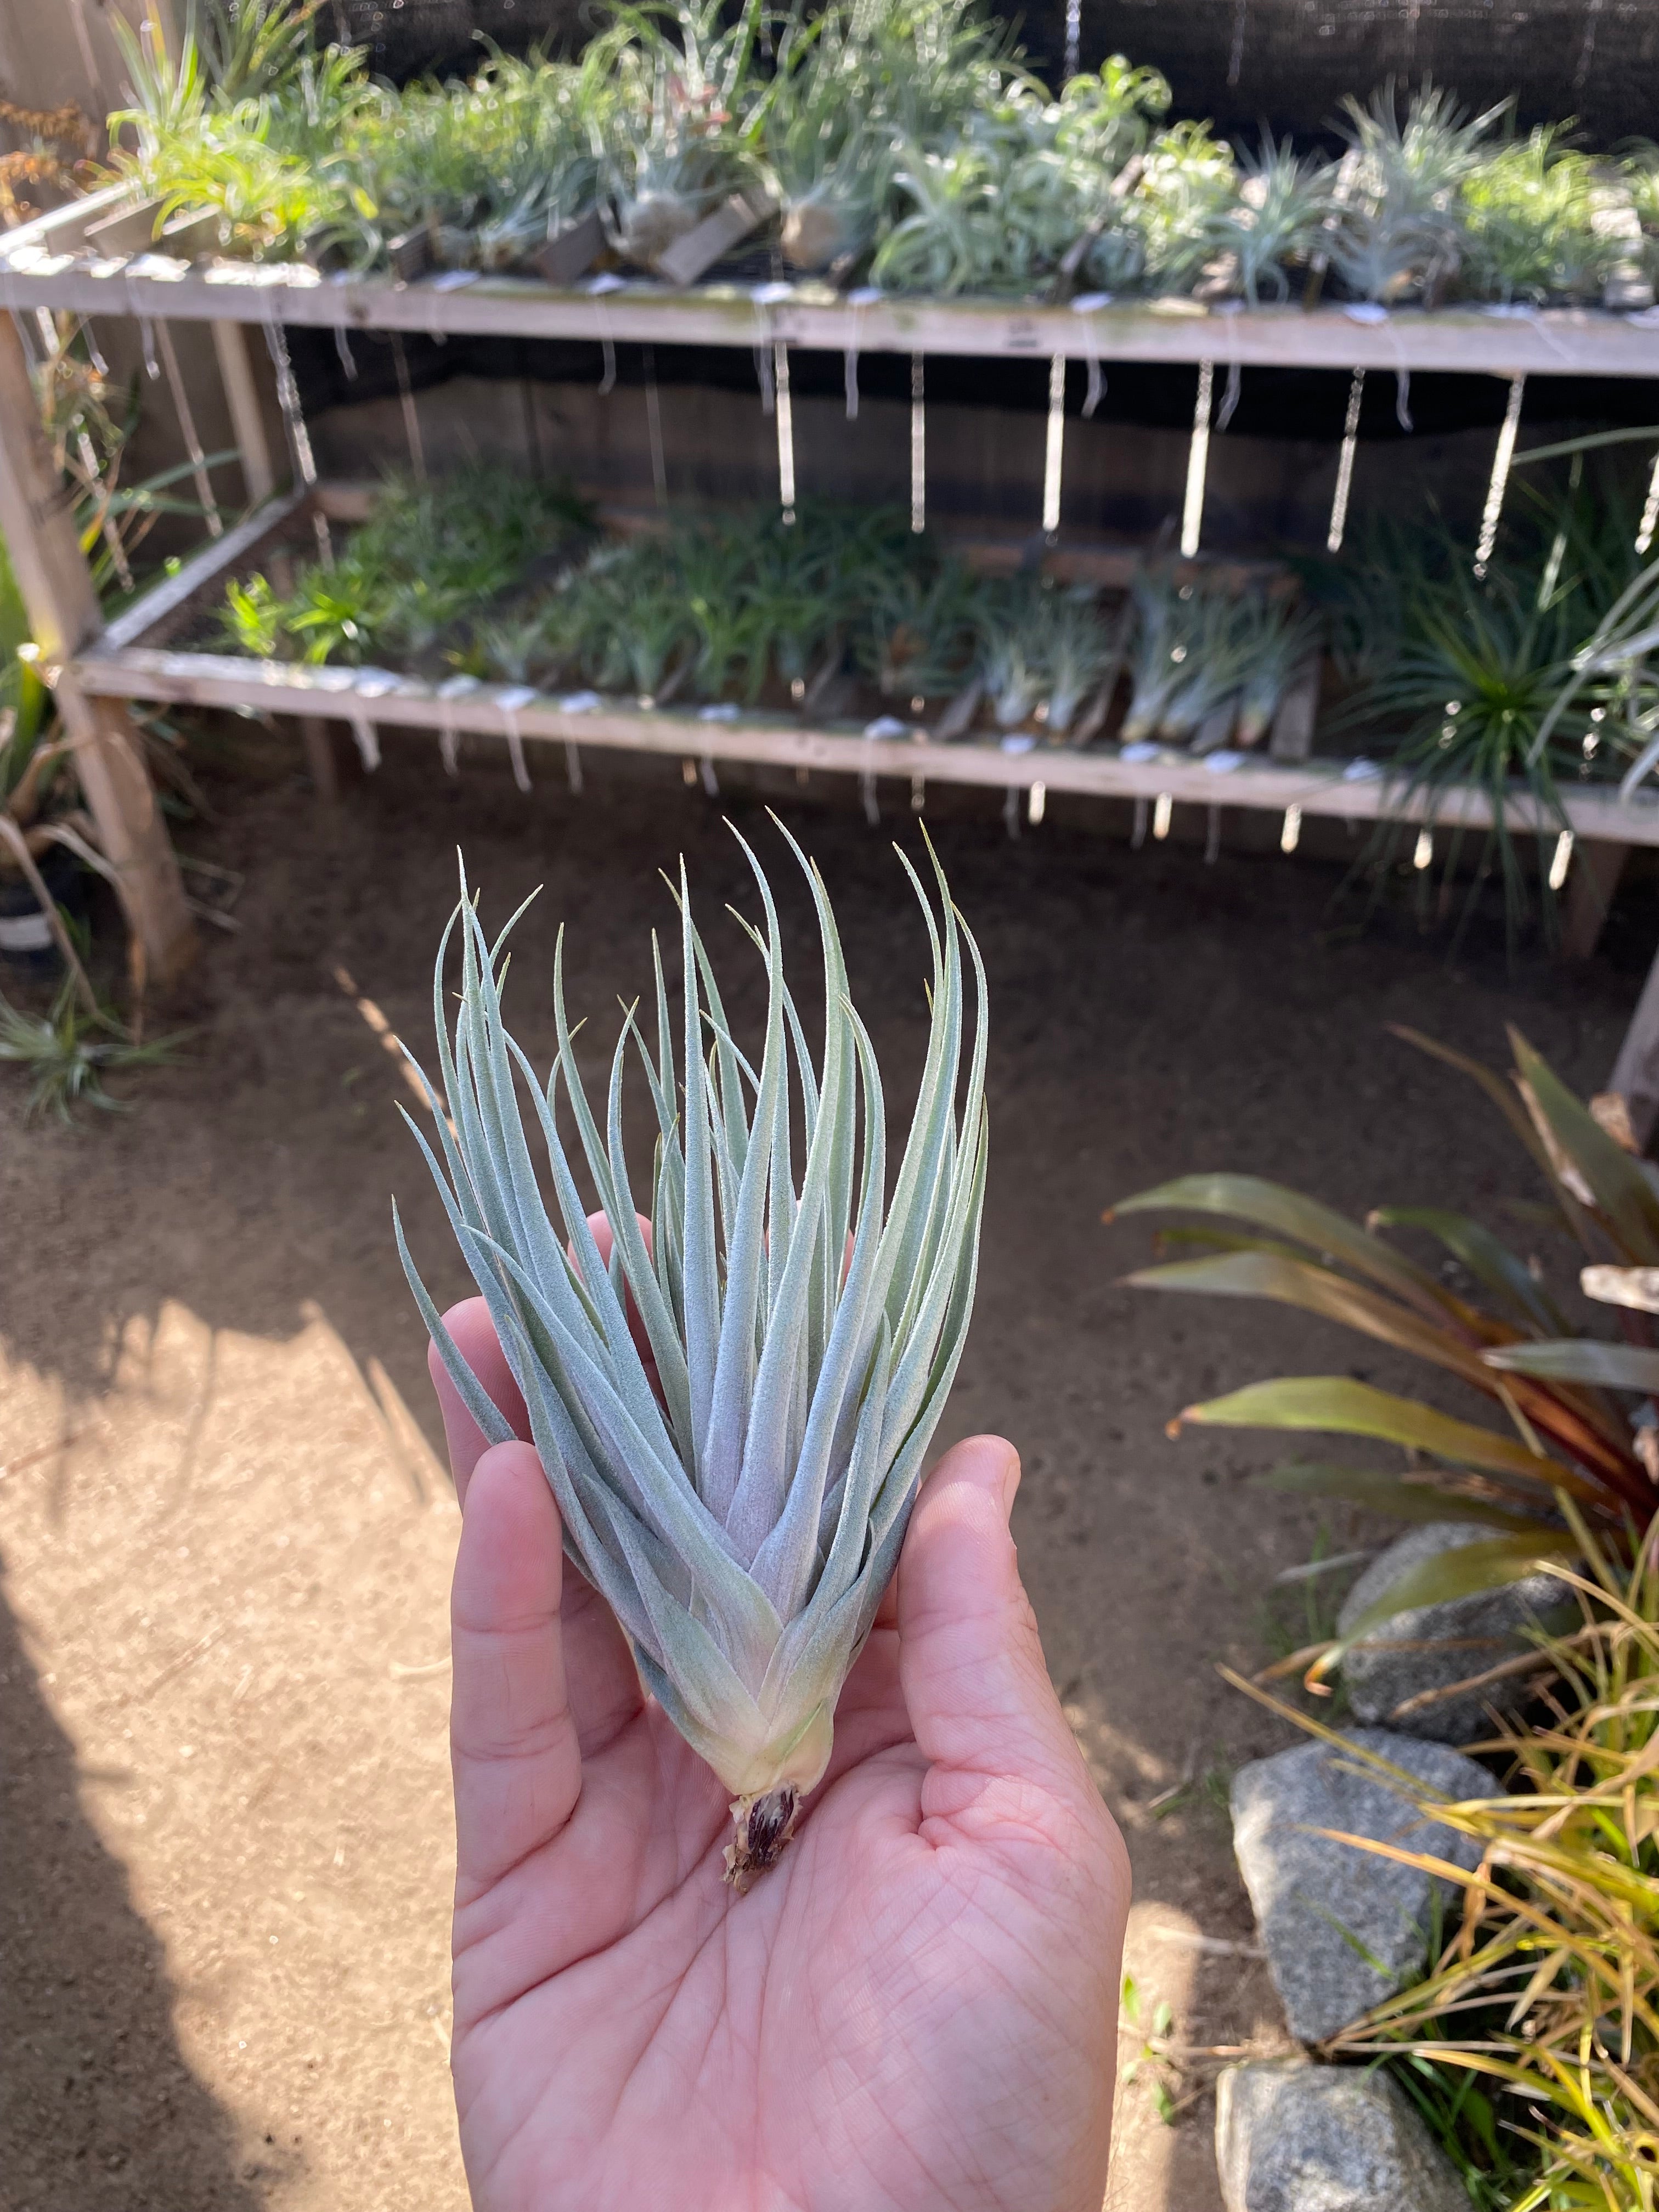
{"x":1241,"y":62}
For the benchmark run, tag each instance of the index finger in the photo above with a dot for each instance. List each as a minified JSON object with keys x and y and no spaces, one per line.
{"x":474,"y":1332}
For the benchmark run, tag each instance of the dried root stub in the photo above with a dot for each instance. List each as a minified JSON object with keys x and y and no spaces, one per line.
{"x":764,"y":1825}
{"x":736,"y":1482}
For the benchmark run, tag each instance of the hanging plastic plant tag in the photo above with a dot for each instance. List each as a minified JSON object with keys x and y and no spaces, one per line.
{"x":1019,"y":742}
{"x":723,"y":711}
{"x":1142,"y":749}
{"x":1365,"y":311}
{"x":452,"y":280}
{"x":578,"y":702}
{"x":886,"y":725}
{"x":368,"y":741}
{"x":573,"y":766}
{"x":1223,"y":760}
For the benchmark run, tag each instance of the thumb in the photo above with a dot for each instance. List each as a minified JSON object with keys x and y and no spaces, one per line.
{"x":970,"y":1660}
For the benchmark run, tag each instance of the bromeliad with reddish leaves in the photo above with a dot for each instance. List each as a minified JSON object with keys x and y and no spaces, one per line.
{"x":1569,"y":1414}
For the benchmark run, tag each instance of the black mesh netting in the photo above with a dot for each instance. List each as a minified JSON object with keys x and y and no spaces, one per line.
{"x":1287,"y":62}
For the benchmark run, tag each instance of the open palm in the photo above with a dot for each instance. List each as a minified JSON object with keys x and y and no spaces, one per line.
{"x":915,"y":2010}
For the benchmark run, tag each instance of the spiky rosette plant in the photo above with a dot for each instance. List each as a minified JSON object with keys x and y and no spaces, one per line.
{"x":737,"y":1482}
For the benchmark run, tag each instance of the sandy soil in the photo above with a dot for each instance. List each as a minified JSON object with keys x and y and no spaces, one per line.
{"x":226,"y":1539}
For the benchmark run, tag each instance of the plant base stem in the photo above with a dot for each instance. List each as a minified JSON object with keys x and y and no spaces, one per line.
{"x":765,"y":1825}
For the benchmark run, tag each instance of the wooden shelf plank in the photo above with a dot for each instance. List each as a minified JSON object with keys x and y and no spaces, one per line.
{"x":41,"y":266}
{"x":1318,"y":787}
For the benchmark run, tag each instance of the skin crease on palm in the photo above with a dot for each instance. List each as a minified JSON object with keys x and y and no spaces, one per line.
{"x":915,"y":2011}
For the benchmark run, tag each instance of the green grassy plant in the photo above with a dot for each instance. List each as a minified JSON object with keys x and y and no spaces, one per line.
{"x":1528,"y":210}
{"x":1532,"y":2044}
{"x":67,"y":1052}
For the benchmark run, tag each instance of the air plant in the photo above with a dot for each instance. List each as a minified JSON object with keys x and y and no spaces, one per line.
{"x":1477,"y":672}
{"x":67,"y":1051}
{"x":916,"y":638}
{"x":740,"y":1501}
{"x":1082,"y":651}
{"x":252,"y":618}
{"x":624,"y":618}
{"x":687,"y":123}
{"x":1282,"y":204}
{"x":1530,"y":212}
{"x":1011,"y":661}
{"x":250,"y":49}
{"x":1400,"y":235}
{"x":825,"y":146}
{"x":1220,"y":640}
{"x":1166,"y":626}
{"x":1285,"y":638}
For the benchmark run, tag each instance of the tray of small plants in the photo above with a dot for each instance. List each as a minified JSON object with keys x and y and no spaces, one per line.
{"x":845,"y":616}
{"x":1532,"y":677}
{"x":905,"y":145}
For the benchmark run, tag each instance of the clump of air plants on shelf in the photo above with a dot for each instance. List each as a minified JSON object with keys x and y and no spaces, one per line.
{"x":1532,"y":213}
{"x":738,"y":1484}
{"x":431,"y":556}
{"x":1274,"y":221}
{"x":1285,"y":635}
{"x":1043,"y":648}
{"x":916,"y":635}
{"x":1398,"y":235}
{"x":687,"y":122}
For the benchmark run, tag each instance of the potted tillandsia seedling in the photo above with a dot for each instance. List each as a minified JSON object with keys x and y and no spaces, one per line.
{"x":735,"y":1478}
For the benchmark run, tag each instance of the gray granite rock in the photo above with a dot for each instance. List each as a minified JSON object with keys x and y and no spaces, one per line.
{"x":1291,"y":2137}
{"x":1434,"y":1645}
{"x":1343,"y":1928}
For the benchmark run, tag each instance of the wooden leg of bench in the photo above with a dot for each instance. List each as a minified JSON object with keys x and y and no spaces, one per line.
{"x":1636,"y":1071}
{"x":317,"y":735}
{"x":1597,"y":867}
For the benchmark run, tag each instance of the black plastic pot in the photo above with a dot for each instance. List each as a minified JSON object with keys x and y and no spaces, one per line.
{"x":26,"y":938}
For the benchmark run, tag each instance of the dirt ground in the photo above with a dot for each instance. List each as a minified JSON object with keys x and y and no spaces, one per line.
{"x":226,"y":1539}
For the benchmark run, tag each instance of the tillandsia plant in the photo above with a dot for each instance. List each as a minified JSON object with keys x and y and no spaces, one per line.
{"x":1400,"y":235}
{"x":735,"y":1482}
{"x":1573,"y":1410}
{"x":1533,"y":214}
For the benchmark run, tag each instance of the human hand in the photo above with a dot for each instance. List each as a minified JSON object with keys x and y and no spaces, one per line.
{"x":915,"y":2011}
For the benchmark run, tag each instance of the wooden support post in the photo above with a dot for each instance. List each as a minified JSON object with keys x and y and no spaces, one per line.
{"x":318,"y":737}
{"x":1597,"y":866}
{"x":1635,"y":1076}
{"x":38,"y":524}
{"x":247,"y":415}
